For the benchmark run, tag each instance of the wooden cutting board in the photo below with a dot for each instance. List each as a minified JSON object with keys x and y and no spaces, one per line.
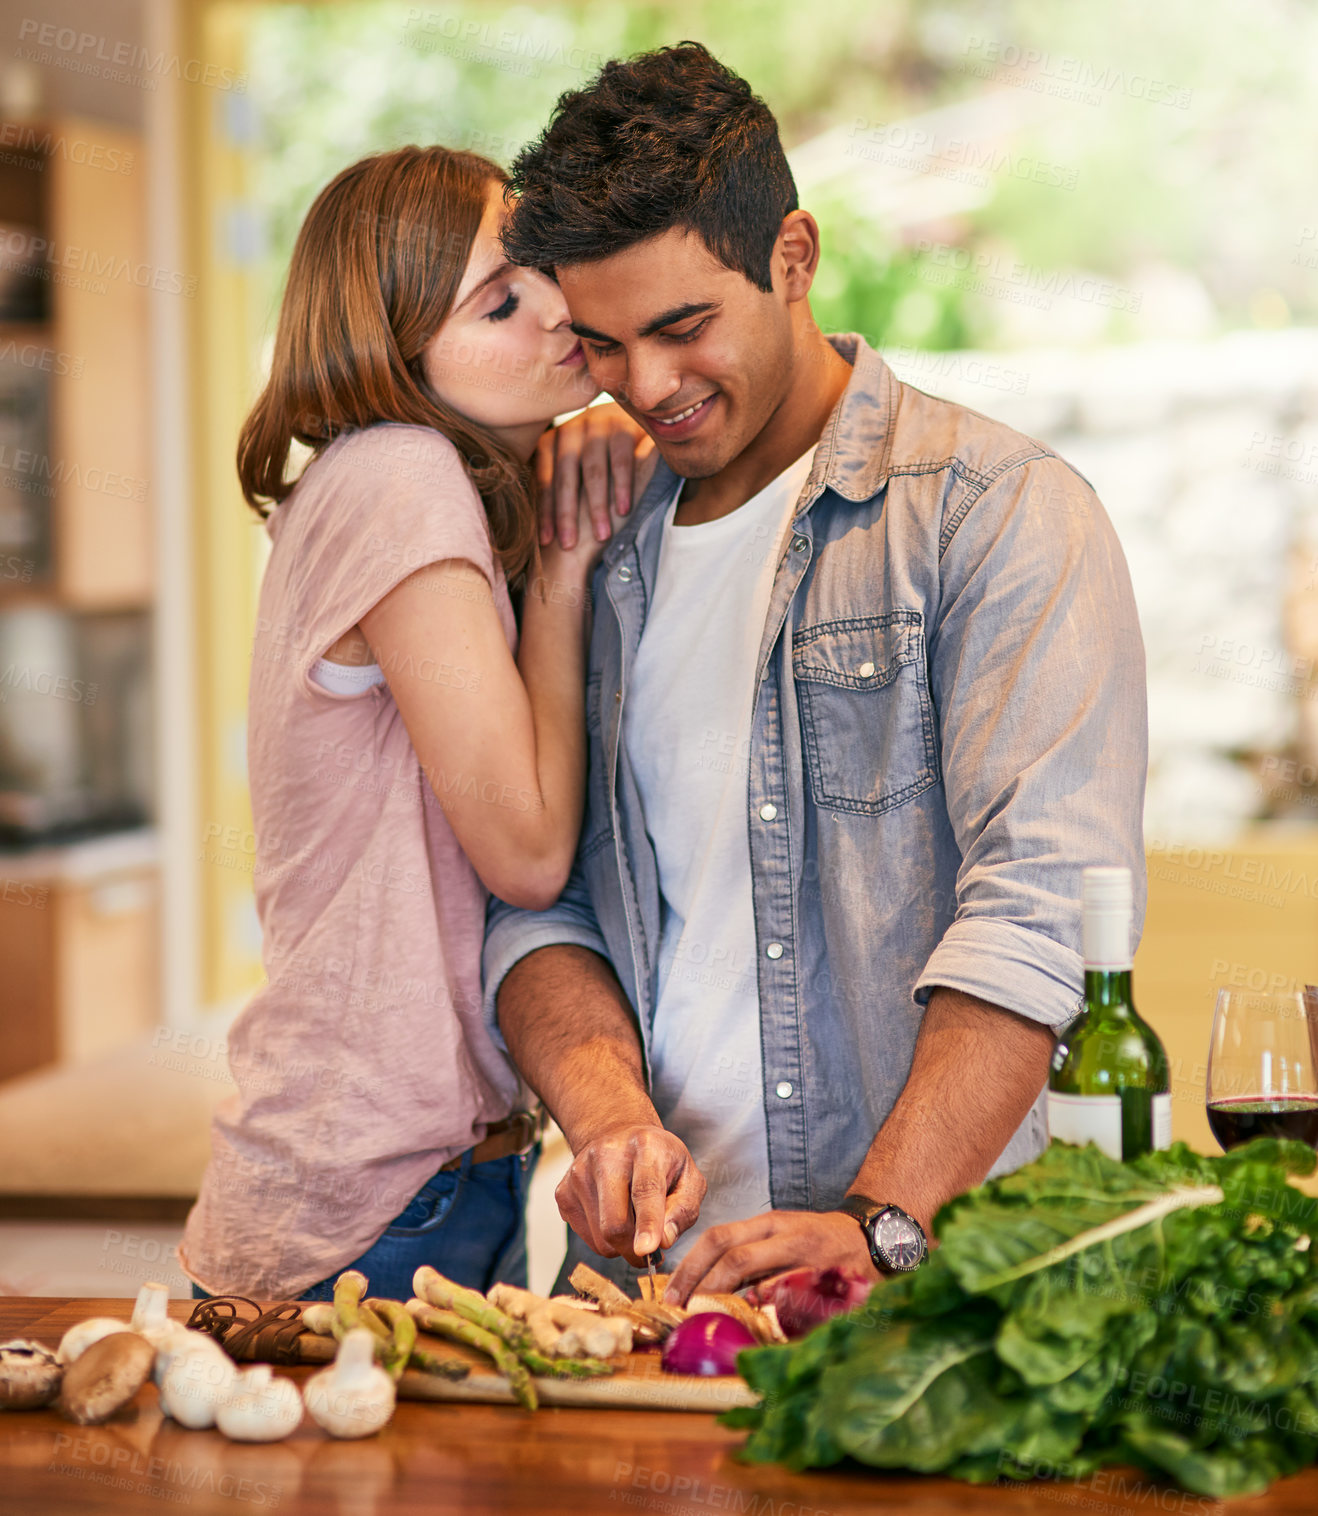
{"x":638,"y":1383}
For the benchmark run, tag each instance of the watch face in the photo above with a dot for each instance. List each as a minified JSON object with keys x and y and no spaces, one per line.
{"x":898,"y":1241}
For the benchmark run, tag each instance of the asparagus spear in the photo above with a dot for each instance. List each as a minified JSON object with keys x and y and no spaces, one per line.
{"x":318,"y":1317}
{"x":321,"y":1318}
{"x":349,"y":1288}
{"x":443,"y":1294}
{"x":368,"y":1317}
{"x":433,"y":1289}
{"x":351,"y":1311}
{"x":536,"y":1361}
{"x":457,"y":1328}
{"x":564,"y":1368}
{"x":402,"y":1336}
{"x":432,"y":1363}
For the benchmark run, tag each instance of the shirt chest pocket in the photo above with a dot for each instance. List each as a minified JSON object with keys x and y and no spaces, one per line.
{"x":867,"y":721}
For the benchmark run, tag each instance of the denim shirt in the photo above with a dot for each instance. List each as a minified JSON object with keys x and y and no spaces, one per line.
{"x":949,"y":725}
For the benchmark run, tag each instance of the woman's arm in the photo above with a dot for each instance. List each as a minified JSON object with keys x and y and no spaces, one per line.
{"x":502,"y":743}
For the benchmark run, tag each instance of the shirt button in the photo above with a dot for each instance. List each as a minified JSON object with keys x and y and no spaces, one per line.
{"x":784,"y":1090}
{"x":768,"y":812}
{"x":867,"y":671}
{"x":625,"y":574}
{"x":617,"y":695}
{"x":774,"y":950}
{"x":799,"y":544}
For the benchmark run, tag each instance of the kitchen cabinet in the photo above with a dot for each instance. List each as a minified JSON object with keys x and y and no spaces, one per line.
{"x":78,"y":885}
{"x":78,"y":935}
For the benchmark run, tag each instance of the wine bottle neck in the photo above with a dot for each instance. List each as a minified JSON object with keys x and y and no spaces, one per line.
{"x":1109,"y":988}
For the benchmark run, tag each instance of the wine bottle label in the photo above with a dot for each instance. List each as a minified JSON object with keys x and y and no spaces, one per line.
{"x":1162,"y":1122}
{"x":1087,"y":1118}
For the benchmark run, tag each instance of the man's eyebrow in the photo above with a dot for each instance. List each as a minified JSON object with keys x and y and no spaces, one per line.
{"x":666,"y":318}
{"x":499,"y":268}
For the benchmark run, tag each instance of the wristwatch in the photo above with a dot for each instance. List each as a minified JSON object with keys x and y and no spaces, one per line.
{"x":896,"y":1240}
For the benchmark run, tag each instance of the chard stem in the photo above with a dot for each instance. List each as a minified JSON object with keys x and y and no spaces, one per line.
{"x":1154,"y":1210}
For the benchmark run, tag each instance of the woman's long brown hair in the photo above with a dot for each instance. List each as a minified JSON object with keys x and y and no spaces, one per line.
{"x":374,"y":273}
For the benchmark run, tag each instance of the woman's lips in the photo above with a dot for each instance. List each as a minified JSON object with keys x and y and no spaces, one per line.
{"x":574,"y":357}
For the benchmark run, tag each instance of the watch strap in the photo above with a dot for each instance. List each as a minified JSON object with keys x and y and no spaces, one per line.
{"x":861,"y":1207}
{"x":863,"y":1210}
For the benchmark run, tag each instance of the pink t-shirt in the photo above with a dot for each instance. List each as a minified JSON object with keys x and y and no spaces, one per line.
{"x":363,"y":1064}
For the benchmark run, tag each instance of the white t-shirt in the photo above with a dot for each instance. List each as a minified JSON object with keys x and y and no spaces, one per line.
{"x":687,"y":730}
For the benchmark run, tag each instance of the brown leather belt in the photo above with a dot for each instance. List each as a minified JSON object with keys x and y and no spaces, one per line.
{"x":518,"y":1134}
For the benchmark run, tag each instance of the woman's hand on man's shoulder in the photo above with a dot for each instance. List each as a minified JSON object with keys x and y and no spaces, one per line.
{"x":598,"y":461}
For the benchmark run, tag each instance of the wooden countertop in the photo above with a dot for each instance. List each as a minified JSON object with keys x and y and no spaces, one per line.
{"x":489,"y":1461}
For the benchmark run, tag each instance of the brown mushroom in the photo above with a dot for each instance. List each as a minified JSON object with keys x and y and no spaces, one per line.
{"x":30,"y":1375}
{"x":105,"y":1377}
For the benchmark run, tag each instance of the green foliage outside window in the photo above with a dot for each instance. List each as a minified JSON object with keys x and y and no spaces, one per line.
{"x":1171,"y":169}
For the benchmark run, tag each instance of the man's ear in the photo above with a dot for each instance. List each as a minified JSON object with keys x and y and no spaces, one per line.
{"x":796,"y":253}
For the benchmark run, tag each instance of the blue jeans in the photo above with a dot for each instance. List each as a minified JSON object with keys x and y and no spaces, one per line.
{"x":469,"y":1223}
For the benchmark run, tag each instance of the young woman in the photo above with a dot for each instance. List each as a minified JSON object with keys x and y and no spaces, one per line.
{"x":406,"y":754}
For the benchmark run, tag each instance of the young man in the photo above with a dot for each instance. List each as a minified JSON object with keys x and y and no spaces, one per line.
{"x":866,"y":694}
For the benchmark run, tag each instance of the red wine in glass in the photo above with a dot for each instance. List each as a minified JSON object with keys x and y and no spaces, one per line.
{"x":1261,"y":1067}
{"x":1237,"y":1121}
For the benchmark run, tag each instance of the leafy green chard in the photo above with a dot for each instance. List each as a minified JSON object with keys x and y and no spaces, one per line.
{"x":1077,"y":1312}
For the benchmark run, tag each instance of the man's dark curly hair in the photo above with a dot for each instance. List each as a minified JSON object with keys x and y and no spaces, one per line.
{"x":668,"y":139}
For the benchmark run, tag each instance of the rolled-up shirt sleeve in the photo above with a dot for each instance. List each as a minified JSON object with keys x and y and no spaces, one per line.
{"x":1037,"y":671}
{"x":512,"y":933}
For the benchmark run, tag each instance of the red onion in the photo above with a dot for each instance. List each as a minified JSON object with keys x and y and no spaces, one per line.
{"x":707,"y":1343}
{"x":805,"y":1297}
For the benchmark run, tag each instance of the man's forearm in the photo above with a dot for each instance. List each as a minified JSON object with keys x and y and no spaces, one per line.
{"x":632,"y":1187}
{"x":976,"y":1072}
{"x":571,"y":1032}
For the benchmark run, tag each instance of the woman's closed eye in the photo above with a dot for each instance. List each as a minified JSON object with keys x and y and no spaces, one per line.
{"x":502,"y":312}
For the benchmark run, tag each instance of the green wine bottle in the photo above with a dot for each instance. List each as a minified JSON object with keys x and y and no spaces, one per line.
{"x":1108,"y":1083}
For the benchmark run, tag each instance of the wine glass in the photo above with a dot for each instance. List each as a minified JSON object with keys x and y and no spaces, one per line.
{"x":1261,"y":1067}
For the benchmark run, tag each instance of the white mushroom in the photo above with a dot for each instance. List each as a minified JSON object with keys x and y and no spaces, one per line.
{"x":172,"y":1340}
{"x":150,"y":1319}
{"x":351,"y":1398}
{"x":151,"y":1312}
{"x":79,"y":1338}
{"x":260,"y":1408}
{"x":29,"y":1375}
{"x":199,"y":1377}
